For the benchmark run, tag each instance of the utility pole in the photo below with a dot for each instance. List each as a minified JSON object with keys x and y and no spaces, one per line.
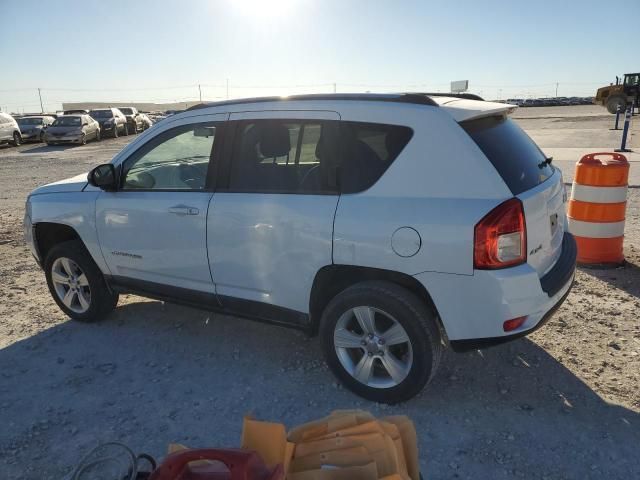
{"x":41,"y":107}
{"x":557,"y":89}
{"x":200,"y":91}
{"x":334,"y":88}
{"x":227,"y":88}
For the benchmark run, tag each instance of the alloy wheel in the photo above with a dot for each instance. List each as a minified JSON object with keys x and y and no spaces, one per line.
{"x":373,"y":347}
{"x":71,"y":285}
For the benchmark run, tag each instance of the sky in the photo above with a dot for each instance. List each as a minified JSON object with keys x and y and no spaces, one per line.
{"x":161,"y":50}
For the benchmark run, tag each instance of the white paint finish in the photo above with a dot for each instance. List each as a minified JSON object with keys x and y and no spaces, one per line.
{"x":269,"y":247}
{"x":364,"y":225}
{"x":172,"y":248}
{"x":75,"y":209}
{"x":490,"y":298}
{"x":462,"y":109}
{"x":585,"y":193}
{"x":72,"y":184}
{"x":544,"y":243}
{"x":596,"y":230}
{"x":406,"y":242}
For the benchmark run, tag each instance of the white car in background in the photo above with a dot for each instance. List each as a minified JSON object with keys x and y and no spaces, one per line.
{"x":9,"y":130}
{"x":391,"y":225}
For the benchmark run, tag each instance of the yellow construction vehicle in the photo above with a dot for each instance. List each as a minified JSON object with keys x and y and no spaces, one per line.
{"x":621,"y":94}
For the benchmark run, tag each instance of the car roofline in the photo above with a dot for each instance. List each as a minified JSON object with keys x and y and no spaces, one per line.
{"x":412,"y":98}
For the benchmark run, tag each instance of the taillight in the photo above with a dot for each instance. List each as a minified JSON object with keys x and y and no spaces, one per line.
{"x":501,"y":237}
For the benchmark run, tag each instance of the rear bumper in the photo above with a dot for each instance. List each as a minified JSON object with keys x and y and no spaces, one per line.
{"x":474,"y":307}
{"x":478,"y":343}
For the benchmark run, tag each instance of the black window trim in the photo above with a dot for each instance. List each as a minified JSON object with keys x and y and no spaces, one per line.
{"x":232,"y":137}
{"x":210,"y":177}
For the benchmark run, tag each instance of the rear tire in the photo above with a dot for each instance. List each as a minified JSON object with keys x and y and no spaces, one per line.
{"x":83,"y":139}
{"x":85,"y":276}
{"x":17,"y":139}
{"x":98,"y":137}
{"x":115,"y":131}
{"x":126,"y":130}
{"x":406,"y":341}
{"x":614,"y":101}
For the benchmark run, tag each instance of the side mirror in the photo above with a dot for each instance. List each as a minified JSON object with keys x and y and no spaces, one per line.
{"x":103,"y":176}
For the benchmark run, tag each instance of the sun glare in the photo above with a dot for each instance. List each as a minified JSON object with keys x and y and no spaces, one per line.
{"x":265,"y":8}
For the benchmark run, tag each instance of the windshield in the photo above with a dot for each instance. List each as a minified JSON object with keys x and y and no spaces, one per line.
{"x":127,"y":111}
{"x":29,"y":121}
{"x":66,"y":121}
{"x":101,"y":113}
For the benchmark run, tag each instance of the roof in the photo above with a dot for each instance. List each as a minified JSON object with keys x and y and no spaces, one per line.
{"x":461,"y":106}
{"x":417,"y":98}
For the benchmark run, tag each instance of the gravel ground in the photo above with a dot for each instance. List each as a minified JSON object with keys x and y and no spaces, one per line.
{"x":563,"y":403}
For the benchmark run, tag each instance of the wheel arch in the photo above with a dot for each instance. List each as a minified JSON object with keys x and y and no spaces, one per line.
{"x":333,"y":279}
{"x":49,"y":234}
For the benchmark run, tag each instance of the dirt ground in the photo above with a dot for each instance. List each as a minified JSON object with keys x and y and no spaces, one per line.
{"x":563,"y":403}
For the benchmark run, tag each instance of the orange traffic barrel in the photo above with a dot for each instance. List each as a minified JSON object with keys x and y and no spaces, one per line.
{"x":597,"y":208}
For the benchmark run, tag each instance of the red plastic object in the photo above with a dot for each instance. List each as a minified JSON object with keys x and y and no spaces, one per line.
{"x":241,"y":465}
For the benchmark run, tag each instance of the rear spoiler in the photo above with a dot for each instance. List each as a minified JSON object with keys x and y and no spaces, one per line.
{"x":463,"y":109}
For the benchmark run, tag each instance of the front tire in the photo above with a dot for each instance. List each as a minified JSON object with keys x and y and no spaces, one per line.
{"x":126,"y":130}
{"x":17,"y":139}
{"x":77,"y":284}
{"x":381,"y":341}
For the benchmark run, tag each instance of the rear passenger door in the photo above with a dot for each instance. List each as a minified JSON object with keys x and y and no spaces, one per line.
{"x":270,"y":223}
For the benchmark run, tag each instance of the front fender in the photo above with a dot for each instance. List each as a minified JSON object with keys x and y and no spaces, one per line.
{"x":74,"y":209}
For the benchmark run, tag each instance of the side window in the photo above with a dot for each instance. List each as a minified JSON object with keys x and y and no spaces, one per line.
{"x":367,"y":150}
{"x":175,"y":160}
{"x":285,"y":156}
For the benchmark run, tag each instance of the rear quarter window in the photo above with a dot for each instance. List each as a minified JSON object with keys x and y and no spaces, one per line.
{"x":516,"y":157}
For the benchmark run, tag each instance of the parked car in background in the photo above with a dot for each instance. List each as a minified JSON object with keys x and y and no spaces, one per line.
{"x":78,"y":111}
{"x":72,"y":129}
{"x":9,"y":130}
{"x":146,"y":121}
{"x":134,"y":120}
{"x":112,"y":121}
{"x":324,"y":213}
{"x":33,"y":128}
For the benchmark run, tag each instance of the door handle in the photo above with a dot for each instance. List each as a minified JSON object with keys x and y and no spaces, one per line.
{"x":183,"y":210}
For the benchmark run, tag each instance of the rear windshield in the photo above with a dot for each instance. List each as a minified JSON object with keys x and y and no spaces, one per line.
{"x":516,"y":157}
{"x":126,"y":111}
{"x":30,"y":121}
{"x":101,"y":113}
{"x":67,"y":121}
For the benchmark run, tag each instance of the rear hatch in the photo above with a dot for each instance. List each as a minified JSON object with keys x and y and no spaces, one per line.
{"x":531,"y":178}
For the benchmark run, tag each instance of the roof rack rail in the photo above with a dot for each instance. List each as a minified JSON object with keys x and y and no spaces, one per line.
{"x":467,"y":96}
{"x":416,"y":98}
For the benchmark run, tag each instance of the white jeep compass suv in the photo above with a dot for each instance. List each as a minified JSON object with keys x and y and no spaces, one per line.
{"x":391,"y":225}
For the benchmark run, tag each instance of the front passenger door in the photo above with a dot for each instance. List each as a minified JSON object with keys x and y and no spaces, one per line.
{"x":152,"y":231}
